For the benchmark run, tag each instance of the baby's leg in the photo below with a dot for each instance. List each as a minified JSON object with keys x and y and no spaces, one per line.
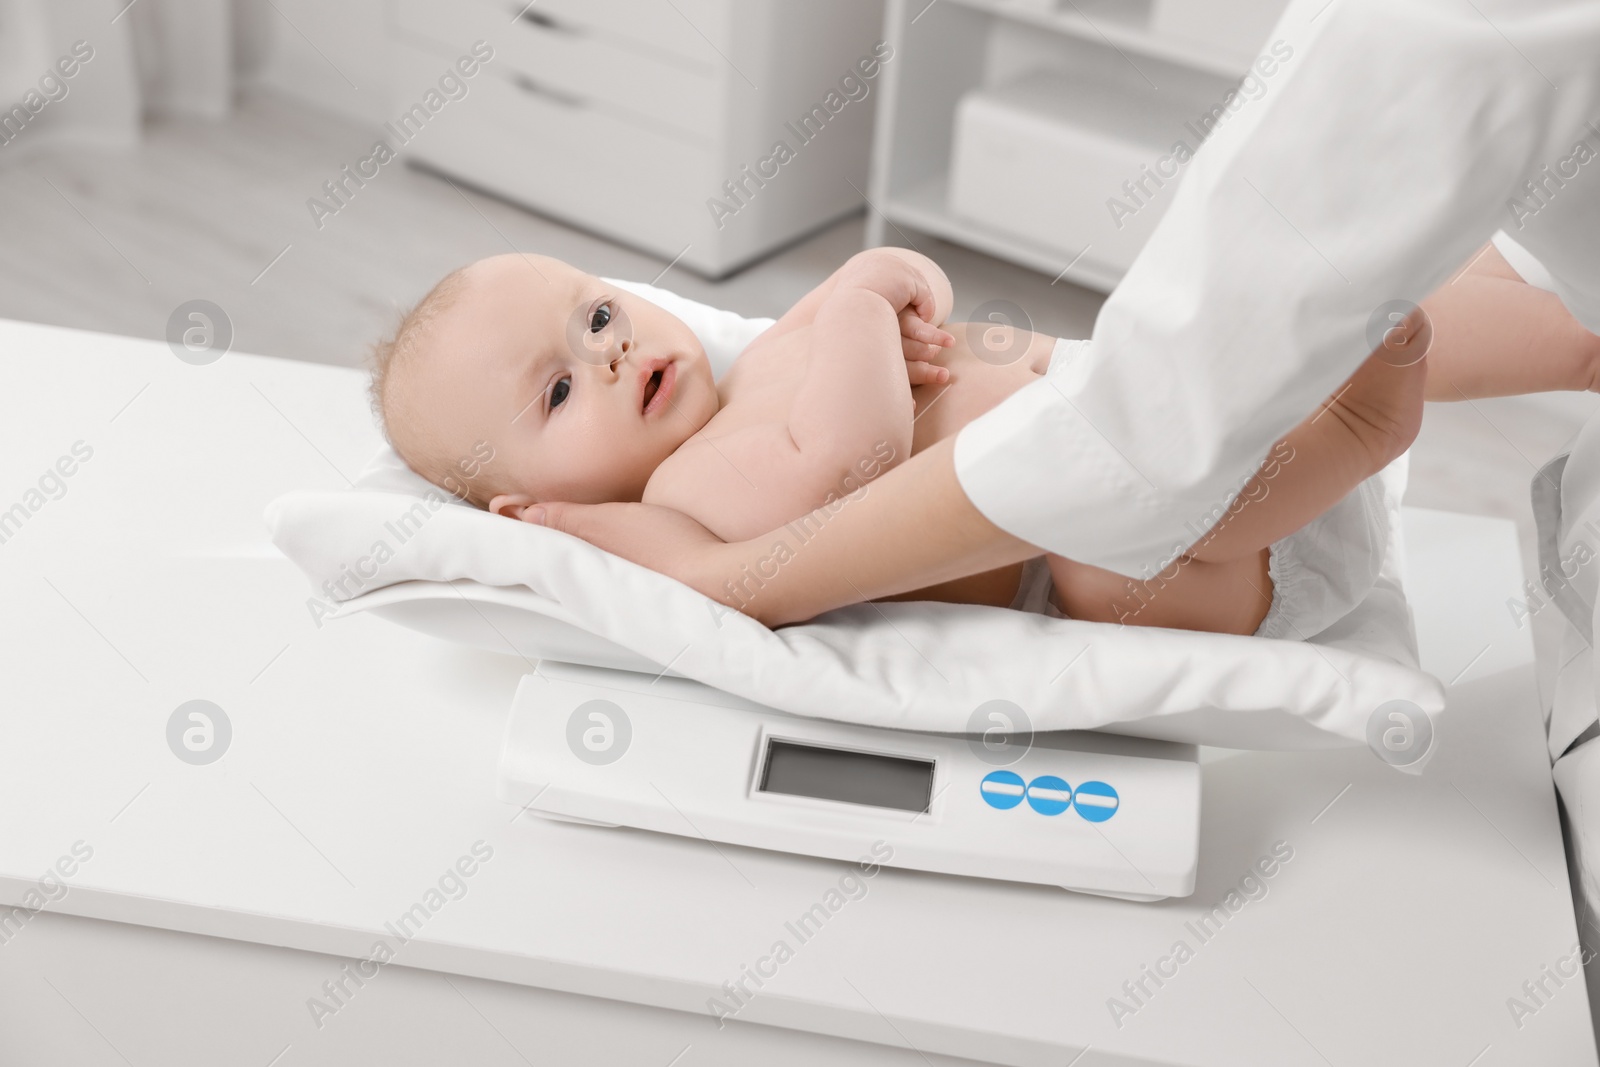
{"x":1493,"y":335}
{"x":1221,"y":583}
{"x":1496,"y":335}
{"x":1191,"y":594}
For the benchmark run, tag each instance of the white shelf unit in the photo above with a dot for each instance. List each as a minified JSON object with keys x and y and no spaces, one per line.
{"x":947,"y":48}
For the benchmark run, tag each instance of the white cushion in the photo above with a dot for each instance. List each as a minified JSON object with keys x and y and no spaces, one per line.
{"x":403,"y":549}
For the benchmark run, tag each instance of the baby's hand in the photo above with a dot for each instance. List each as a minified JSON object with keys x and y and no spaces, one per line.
{"x":912,"y":298}
{"x":922,"y":372}
{"x":903,"y":286}
{"x":919,"y":353}
{"x":920,"y":341}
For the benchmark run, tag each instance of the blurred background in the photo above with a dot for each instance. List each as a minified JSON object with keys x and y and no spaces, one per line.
{"x":312,"y":167}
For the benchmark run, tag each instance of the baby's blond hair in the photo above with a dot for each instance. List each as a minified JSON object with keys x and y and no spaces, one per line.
{"x":417,"y":443}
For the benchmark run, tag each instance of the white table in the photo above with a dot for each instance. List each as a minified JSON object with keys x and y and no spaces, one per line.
{"x":362,"y":767}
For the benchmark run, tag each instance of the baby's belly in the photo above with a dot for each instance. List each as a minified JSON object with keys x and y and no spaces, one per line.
{"x":976,"y":385}
{"x":980,"y":378}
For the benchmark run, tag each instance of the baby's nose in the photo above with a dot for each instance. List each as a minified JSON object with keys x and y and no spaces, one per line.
{"x":620,"y":352}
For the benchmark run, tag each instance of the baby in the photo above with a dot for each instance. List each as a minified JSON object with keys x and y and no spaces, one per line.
{"x":589,"y":394}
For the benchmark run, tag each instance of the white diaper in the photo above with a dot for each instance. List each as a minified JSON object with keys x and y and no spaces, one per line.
{"x":1323,"y":570}
{"x":1319,"y":573}
{"x":1063,"y":352}
{"x":1033,"y":592}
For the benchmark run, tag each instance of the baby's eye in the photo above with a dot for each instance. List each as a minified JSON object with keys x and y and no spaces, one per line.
{"x":559,"y":391}
{"x":600,"y":319}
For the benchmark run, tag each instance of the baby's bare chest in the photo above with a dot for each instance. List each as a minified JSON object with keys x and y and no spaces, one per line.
{"x":757,"y":397}
{"x":761,"y":386}
{"x":758,"y":393}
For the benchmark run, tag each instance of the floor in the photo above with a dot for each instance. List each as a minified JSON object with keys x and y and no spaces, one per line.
{"x":115,"y":240}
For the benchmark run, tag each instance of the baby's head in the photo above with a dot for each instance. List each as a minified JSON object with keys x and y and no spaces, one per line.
{"x":579,"y":389}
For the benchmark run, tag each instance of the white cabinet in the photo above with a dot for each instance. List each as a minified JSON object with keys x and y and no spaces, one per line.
{"x":1046,"y":132}
{"x":709,"y":132}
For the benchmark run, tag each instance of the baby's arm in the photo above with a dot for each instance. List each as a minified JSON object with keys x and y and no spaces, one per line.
{"x":920,"y":337}
{"x":804,"y":312}
{"x":848,"y":419}
{"x":855,"y":397}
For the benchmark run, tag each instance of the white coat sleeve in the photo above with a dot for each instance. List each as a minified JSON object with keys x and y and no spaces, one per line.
{"x":1385,"y":149}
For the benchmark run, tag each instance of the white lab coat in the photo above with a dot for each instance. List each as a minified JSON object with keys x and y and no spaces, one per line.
{"x":1374,"y":164}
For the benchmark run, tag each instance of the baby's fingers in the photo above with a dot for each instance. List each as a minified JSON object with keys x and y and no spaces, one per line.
{"x":915,"y":327}
{"x":921,"y":372}
{"x":918,"y":351}
{"x":925,"y":303}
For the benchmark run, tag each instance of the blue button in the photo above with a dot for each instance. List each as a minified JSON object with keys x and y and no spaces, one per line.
{"x":1049,"y":795}
{"x":1096,"y":801}
{"x":1002,"y":789}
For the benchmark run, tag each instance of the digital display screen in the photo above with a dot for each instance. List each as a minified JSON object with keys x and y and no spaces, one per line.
{"x":867,"y":778}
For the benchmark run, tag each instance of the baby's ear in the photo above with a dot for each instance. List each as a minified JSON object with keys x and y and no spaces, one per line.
{"x":510,"y":504}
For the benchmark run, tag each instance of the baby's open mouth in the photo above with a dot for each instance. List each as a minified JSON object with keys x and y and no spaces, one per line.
{"x":656,"y":387}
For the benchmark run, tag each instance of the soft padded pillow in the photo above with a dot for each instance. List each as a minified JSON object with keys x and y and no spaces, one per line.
{"x":403,"y":549}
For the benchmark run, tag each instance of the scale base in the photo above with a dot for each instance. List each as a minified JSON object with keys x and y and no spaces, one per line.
{"x":1094,"y":813}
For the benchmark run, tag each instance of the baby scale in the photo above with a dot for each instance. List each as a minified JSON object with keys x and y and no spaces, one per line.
{"x":1092,"y":812}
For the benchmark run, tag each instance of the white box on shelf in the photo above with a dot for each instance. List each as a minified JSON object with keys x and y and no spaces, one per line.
{"x":1073,"y":161}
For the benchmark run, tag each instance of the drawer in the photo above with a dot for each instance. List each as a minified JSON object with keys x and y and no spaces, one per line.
{"x":568,"y":59}
{"x":626,"y":181}
{"x":694,"y":30}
